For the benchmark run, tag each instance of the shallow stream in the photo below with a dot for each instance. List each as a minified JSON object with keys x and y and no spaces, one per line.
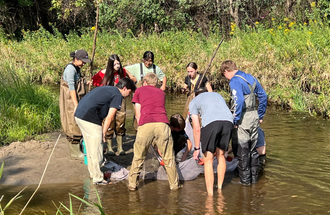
{"x":296,"y":179}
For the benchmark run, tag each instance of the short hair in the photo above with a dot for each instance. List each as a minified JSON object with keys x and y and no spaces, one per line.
{"x":151,"y":79}
{"x":192,"y":65}
{"x":200,"y":90}
{"x":177,"y":121}
{"x":228,"y":65}
{"x":148,"y":55}
{"x":126,"y":82}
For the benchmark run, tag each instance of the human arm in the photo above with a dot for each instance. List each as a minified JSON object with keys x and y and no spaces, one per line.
{"x":188,"y":148}
{"x":184,"y":89}
{"x":137,"y":108}
{"x":163,"y":87}
{"x":133,"y":72}
{"x":130,"y":76}
{"x":69,"y":76}
{"x":262,"y":97}
{"x":185,"y":85}
{"x":73,"y":95}
{"x":197,"y":135}
{"x":238,"y":98}
{"x":97,"y":78}
{"x":107,"y":121}
{"x":208,"y":87}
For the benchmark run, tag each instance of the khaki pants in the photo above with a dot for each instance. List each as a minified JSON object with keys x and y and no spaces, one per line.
{"x":92,"y":134}
{"x":154,"y":133}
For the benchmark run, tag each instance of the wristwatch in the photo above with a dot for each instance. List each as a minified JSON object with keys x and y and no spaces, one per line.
{"x":197,"y":148}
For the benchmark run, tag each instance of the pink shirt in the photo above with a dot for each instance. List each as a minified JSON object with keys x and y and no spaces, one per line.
{"x":152,"y":101}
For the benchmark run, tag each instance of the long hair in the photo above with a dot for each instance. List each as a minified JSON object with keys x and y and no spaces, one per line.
{"x":108,"y":78}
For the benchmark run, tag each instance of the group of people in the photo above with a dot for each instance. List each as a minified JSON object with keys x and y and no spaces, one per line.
{"x":101,"y":113}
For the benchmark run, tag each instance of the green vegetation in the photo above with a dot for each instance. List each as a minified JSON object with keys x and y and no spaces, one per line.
{"x":26,"y":109}
{"x":290,"y":59}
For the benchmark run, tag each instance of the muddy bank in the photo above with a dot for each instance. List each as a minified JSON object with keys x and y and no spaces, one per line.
{"x":25,"y":161}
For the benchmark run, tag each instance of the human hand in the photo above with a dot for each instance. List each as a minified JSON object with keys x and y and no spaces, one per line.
{"x":261,"y":120}
{"x":90,"y":82}
{"x":196,"y":154}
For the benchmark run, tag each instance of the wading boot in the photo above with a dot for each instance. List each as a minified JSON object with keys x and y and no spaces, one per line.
{"x":109,"y":151}
{"x":120,"y":145}
{"x":262,"y":162}
{"x":255,"y":167}
{"x":75,"y":151}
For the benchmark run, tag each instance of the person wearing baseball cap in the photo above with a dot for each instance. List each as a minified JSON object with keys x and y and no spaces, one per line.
{"x":71,"y":91}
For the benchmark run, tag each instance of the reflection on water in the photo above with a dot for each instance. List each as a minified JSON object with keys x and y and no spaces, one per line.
{"x":296,"y":179}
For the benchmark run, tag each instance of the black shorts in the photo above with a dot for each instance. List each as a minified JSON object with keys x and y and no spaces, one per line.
{"x":216,"y":134}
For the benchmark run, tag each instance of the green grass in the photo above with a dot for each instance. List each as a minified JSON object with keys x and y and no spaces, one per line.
{"x":26,"y":109}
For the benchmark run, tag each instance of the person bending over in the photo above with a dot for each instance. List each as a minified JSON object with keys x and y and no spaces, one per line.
{"x":214,"y":134}
{"x":153,"y":128}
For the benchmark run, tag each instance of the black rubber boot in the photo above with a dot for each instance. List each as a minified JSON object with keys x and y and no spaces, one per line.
{"x":255,"y":167}
{"x":244,"y":169}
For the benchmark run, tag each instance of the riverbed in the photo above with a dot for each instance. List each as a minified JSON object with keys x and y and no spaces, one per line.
{"x":296,"y":179}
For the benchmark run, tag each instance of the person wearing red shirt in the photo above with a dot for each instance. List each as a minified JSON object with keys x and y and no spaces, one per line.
{"x":153,"y":129}
{"x":110,"y":77}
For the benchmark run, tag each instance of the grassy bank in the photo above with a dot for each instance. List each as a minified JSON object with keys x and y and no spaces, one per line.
{"x":290,"y":60}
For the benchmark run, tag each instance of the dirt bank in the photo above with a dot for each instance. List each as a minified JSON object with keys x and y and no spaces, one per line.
{"x":26,"y":161}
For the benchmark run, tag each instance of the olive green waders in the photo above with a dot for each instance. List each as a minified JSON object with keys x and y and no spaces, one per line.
{"x":117,"y":126}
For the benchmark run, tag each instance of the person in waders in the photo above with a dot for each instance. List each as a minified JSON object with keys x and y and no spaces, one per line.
{"x":110,"y":77}
{"x":192,"y":81}
{"x":244,"y":90}
{"x":100,"y":104}
{"x":139,"y":70}
{"x":71,"y":91}
{"x":153,"y":130}
{"x":214,"y":135}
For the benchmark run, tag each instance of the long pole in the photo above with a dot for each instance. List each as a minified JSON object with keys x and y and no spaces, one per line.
{"x":210,"y":62}
{"x":94,"y":44}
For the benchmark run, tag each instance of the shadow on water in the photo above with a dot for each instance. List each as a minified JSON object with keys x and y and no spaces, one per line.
{"x":296,"y":179}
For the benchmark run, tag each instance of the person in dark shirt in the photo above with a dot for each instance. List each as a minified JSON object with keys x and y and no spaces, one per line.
{"x":100,"y":103}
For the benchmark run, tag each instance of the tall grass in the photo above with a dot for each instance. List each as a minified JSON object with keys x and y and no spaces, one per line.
{"x":26,"y":109}
{"x":290,"y":60}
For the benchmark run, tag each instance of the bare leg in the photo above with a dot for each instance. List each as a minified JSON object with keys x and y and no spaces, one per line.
{"x":208,"y":172}
{"x":221,"y":166}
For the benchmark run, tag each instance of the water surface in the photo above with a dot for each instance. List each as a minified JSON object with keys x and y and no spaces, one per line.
{"x":296,"y":179}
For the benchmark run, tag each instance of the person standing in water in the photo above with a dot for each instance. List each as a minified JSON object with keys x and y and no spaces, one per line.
{"x":110,"y":77}
{"x":153,"y":129}
{"x":214,"y":135}
{"x":100,"y":104}
{"x":192,"y":81}
{"x":245,"y":89}
{"x":71,"y":91}
{"x":139,"y":70}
